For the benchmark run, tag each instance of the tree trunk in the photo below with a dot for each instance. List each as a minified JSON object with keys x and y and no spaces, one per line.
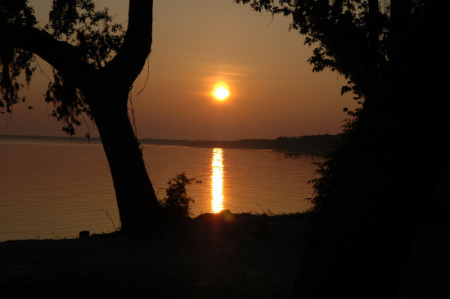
{"x":136,"y":199}
{"x":106,"y":92}
{"x":400,"y":20}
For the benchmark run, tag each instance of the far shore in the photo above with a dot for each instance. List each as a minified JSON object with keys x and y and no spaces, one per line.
{"x":308,"y":143}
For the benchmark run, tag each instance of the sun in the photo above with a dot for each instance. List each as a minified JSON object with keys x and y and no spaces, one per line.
{"x":221,"y":93}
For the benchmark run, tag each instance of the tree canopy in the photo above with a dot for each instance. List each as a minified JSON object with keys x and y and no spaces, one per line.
{"x":89,"y":33}
{"x":359,"y":39}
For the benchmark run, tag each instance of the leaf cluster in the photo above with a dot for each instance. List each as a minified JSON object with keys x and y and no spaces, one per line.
{"x":14,"y":62}
{"x":68,"y":103}
{"x":342,"y":32}
{"x":91,"y":31}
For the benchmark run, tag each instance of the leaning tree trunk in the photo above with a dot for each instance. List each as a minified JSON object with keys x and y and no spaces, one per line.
{"x":136,"y":199}
{"x":106,"y":92}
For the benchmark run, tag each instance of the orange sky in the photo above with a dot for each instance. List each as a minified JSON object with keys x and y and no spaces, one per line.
{"x":197,"y":44}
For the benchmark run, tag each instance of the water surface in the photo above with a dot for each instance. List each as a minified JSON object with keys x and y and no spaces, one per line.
{"x":53,"y":189}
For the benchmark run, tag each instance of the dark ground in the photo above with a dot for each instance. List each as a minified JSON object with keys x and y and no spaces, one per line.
{"x":213,"y":256}
{"x":209,"y":257}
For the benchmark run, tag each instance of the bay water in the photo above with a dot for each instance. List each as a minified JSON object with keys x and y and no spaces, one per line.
{"x":54,"y":189}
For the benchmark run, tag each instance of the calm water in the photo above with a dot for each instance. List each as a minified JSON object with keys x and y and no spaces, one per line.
{"x":56,"y":189}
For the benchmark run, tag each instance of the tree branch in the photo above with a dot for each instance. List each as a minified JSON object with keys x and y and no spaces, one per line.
{"x":61,"y":55}
{"x":131,"y":57}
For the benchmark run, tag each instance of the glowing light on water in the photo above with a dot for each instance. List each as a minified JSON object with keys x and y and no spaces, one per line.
{"x":217,"y":180}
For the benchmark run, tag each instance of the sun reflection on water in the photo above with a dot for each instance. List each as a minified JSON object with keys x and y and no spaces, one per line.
{"x":217,"y":180}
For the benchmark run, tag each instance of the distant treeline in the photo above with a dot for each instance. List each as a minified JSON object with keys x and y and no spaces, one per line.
{"x":50,"y":138}
{"x":308,"y":143}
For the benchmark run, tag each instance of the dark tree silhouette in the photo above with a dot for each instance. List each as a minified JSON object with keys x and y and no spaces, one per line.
{"x":390,"y":176}
{"x":95,"y":65}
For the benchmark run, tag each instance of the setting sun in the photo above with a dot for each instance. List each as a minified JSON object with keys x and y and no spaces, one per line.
{"x":221,"y":93}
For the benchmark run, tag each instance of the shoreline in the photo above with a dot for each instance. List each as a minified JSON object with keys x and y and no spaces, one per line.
{"x":307,"y":143}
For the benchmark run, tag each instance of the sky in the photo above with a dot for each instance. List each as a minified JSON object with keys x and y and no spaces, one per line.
{"x":198,"y":44}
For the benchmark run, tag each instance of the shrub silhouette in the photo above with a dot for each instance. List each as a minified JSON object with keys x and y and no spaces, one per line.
{"x":177,"y":203}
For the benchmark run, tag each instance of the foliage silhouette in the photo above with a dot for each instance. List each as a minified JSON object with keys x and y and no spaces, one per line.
{"x":354,"y":38}
{"x":350,"y":37}
{"x":95,"y":64}
{"x":386,"y":178}
{"x":177,"y":203}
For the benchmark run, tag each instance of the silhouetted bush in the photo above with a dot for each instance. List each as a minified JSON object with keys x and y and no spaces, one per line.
{"x":177,"y":203}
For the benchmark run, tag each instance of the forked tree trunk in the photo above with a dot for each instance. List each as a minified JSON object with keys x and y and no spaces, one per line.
{"x":136,"y":199}
{"x":106,"y":92}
